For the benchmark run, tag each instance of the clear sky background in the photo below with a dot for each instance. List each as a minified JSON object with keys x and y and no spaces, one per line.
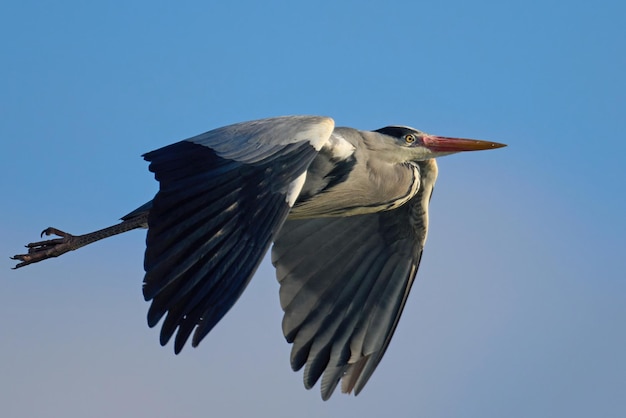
{"x":520,"y":304}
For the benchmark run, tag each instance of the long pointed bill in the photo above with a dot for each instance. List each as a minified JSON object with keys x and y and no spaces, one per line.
{"x":447,"y":145}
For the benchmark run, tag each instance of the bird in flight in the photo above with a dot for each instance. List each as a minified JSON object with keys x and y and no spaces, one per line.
{"x":345,"y":209}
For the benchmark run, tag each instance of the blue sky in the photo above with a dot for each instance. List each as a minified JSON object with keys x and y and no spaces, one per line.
{"x":520,"y":302}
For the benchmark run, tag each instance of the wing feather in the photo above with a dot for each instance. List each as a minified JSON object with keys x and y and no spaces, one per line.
{"x":344,"y":283}
{"x":223,"y":197}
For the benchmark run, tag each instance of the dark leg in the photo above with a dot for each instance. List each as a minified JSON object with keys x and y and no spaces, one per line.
{"x":42,"y":250}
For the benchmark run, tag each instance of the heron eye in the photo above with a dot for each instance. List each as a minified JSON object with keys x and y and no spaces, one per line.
{"x":409,"y":138}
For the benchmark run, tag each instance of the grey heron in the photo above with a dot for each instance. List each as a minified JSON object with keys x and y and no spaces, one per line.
{"x":346,"y":210}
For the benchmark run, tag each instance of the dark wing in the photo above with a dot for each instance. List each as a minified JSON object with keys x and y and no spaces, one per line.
{"x":343,"y":284}
{"x":223,"y":196}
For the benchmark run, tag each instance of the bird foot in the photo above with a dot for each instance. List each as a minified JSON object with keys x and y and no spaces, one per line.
{"x":42,"y":250}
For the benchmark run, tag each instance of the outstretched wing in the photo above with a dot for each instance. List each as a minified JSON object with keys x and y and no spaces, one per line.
{"x":223,"y":196}
{"x":343,"y":284}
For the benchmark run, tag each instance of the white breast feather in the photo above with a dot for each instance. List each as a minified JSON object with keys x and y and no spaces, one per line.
{"x":339,"y":147}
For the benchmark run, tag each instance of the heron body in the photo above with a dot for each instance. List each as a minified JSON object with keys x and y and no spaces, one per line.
{"x":346,"y":210}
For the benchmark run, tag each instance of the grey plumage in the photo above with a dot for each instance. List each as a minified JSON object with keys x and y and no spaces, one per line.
{"x":347,"y":211}
{"x":344,"y":282}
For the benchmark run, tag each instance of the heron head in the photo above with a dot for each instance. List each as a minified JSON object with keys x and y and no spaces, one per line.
{"x":418,"y":145}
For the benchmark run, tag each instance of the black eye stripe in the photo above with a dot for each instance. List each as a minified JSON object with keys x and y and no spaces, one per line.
{"x":397,"y":131}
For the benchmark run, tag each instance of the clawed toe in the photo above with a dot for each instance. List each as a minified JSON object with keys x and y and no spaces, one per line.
{"x":41,"y":245}
{"x":53,"y":231}
{"x":42,"y":250}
